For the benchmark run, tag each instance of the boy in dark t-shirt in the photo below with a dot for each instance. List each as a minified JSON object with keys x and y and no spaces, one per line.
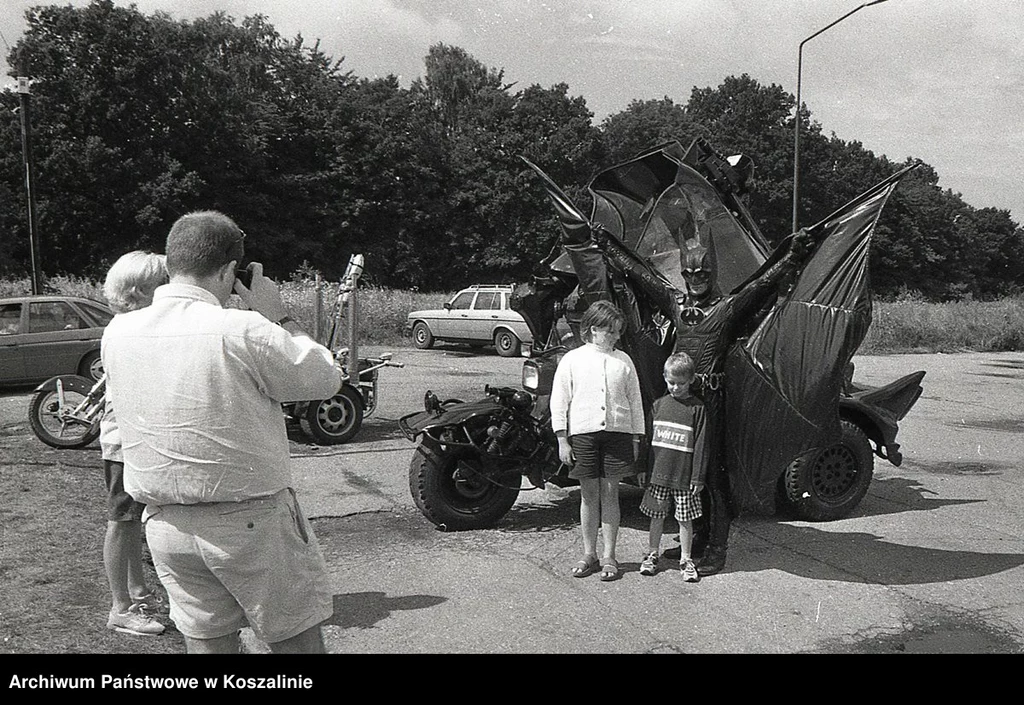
{"x":676,"y":465}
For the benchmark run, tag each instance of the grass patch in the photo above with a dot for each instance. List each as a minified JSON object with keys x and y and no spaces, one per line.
{"x":912,"y":325}
{"x":907,"y":324}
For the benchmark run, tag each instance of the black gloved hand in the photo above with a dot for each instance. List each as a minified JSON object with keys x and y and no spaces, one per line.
{"x":803,"y":243}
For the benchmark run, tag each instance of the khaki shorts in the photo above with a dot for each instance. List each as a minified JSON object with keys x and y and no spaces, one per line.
{"x":229,"y":564}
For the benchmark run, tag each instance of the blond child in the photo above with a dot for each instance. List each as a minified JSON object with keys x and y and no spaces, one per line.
{"x":676,"y":465}
{"x":598,"y":418}
{"x":129,"y":286}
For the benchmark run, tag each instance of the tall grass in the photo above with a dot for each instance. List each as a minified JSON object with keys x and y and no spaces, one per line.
{"x":907,"y":324}
{"x":911,"y":325}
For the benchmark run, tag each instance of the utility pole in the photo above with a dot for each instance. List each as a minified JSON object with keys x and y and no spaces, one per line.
{"x":26,"y":148}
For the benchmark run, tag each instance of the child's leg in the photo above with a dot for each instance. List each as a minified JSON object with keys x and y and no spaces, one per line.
{"x":685,"y":540}
{"x":115,"y":561}
{"x":133,"y":546}
{"x":654,"y":537}
{"x":590,"y":514}
{"x":609,"y":514}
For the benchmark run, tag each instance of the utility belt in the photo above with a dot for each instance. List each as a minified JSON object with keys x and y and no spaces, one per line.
{"x":710,"y":381}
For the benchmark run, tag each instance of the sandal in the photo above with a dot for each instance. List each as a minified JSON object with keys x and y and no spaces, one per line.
{"x":609,"y":570}
{"x":585,"y":566}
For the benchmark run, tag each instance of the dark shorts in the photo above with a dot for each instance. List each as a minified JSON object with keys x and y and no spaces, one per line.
{"x":602,"y":454}
{"x":120,"y":505}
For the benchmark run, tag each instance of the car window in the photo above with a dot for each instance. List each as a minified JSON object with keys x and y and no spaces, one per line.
{"x":48,"y":316}
{"x":488,"y":301}
{"x":10,"y":318}
{"x":100,"y":316}
{"x":463,"y":300}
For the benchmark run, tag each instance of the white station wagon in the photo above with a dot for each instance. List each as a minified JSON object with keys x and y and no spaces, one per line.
{"x":478,"y":315}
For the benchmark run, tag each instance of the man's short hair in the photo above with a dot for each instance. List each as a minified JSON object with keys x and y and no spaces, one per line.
{"x":202,"y":242}
{"x":680,"y":364}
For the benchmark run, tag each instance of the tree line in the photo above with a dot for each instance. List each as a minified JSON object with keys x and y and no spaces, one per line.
{"x":137,"y":119}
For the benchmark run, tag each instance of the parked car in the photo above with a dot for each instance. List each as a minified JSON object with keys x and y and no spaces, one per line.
{"x":477,"y":315}
{"x":44,"y":336}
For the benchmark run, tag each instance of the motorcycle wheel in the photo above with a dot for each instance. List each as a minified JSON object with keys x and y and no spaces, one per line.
{"x":448,"y":487}
{"x":828,"y":484}
{"x":42,"y":417}
{"x":334,"y":420}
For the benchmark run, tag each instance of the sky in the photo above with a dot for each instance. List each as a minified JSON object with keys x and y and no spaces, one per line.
{"x":938,"y":80}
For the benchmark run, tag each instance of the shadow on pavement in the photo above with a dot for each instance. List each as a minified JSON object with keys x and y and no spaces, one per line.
{"x":858,"y":557}
{"x":365,"y":609}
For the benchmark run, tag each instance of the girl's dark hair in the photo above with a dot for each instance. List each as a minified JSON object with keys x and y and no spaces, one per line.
{"x":600,"y":314}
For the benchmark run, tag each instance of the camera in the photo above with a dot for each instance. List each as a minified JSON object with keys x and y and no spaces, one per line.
{"x":244,"y":276}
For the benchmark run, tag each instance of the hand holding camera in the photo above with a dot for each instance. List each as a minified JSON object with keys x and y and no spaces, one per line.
{"x":259,"y":293}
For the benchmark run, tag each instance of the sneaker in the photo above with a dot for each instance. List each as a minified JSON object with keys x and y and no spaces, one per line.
{"x":649,"y":566}
{"x":689,"y":571}
{"x":152,"y":602}
{"x":134,"y":621}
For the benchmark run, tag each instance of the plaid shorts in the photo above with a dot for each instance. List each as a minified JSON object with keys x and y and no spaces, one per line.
{"x":658,"y":500}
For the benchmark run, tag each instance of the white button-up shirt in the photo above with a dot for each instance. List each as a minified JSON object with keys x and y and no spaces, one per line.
{"x":596,"y":391}
{"x":198,"y":390}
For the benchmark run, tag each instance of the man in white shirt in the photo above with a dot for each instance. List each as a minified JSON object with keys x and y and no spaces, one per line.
{"x":198,"y":391}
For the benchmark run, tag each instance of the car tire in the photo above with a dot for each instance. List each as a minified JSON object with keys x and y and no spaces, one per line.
{"x":506,"y":343}
{"x":422,"y":338}
{"x":91,"y":366}
{"x":829,"y":483}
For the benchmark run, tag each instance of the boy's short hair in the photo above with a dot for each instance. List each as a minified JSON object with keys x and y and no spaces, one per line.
{"x":680,"y":364}
{"x":202,"y":242}
{"x":600,"y":314}
{"x":131,"y":280}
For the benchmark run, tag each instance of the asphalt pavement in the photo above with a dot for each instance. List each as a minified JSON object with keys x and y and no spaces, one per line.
{"x":931,"y":561}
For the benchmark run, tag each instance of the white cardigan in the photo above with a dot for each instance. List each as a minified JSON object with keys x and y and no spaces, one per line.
{"x":596,"y":391}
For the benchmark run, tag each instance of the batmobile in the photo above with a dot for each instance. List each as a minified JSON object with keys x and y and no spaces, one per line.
{"x":798,"y":428}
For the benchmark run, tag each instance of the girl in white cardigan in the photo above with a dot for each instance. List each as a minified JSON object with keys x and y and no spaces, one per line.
{"x":597,"y":415}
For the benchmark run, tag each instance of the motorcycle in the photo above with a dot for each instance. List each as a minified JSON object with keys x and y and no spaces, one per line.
{"x":471,"y":457}
{"x":65,"y":411}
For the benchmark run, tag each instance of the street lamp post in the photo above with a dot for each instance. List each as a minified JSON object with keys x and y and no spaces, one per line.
{"x":26,"y":148}
{"x":796,"y":121}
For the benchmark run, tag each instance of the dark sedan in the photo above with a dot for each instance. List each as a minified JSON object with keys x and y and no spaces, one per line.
{"x":43,"y":336}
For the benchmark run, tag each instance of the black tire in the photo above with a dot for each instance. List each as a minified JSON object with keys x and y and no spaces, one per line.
{"x":91,"y":366}
{"x":42,"y":417}
{"x":828,"y":484}
{"x":469,"y":501}
{"x":422,"y":338}
{"x":334,"y":420}
{"x":506,"y":343}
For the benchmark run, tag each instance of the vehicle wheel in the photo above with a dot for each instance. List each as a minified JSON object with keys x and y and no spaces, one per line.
{"x":422,"y":338}
{"x":506,"y":343}
{"x":42,"y":417}
{"x":829,"y":483}
{"x":450,"y":490}
{"x":334,"y":420}
{"x":91,"y":366}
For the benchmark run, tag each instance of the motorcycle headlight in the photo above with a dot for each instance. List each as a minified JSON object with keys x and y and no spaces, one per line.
{"x":531,"y":377}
